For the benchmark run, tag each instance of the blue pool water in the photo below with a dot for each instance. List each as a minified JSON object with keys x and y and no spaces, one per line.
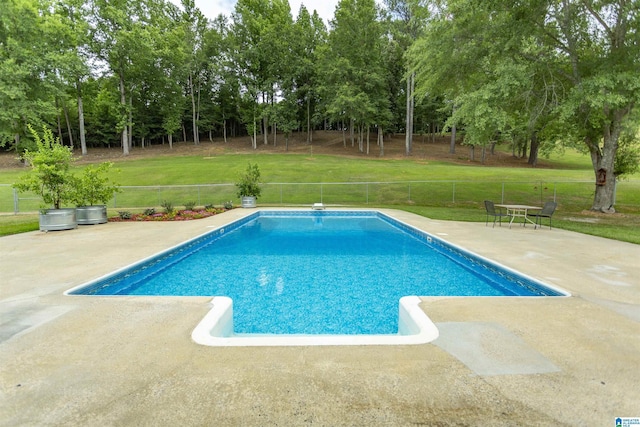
{"x":316,"y":272}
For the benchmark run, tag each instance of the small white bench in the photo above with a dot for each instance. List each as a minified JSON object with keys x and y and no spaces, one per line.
{"x":318,"y":206}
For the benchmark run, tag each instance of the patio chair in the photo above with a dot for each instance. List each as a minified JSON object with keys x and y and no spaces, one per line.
{"x":491,"y":211}
{"x":547,"y":212}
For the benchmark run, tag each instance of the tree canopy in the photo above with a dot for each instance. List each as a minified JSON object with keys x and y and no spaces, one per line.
{"x":555,"y":72}
{"x":536,"y":74}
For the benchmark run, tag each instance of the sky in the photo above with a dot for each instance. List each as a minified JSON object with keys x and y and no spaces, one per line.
{"x":212,"y":8}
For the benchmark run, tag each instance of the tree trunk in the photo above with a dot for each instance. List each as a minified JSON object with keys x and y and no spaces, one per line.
{"x":196,"y":139}
{"x":265,"y":130}
{"x":123,"y":103}
{"x":368,"y":134}
{"x":603,"y":161}
{"x":381,"y":140}
{"x":533,"y":153}
{"x":170,"y":141}
{"x":58,"y":120}
{"x":472,"y":152}
{"x":224,"y":130}
{"x":409,"y":121}
{"x":66,"y":117}
{"x":83,"y":141}
{"x":351,"y":124}
{"x":309,"y":131}
{"x":275,"y":134}
{"x":452,"y":144}
{"x":344,"y":136}
{"x":130,"y":123}
{"x":254,"y":141}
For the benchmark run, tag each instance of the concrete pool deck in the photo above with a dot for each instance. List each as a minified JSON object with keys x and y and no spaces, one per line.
{"x":96,"y":361}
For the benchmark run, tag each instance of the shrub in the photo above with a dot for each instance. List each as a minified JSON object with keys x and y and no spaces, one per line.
{"x":228,"y":205}
{"x":249,"y":184}
{"x":189,"y":206}
{"x":124,"y":214}
{"x":168,"y":207}
{"x":50,"y":176}
{"x":149,"y":211}
{"x":93,"y":186}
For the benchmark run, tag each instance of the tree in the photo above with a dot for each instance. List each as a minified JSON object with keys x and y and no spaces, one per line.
{"x":577,"y":59}
{"x":69,"y":37}
{"x":595,"y":48}
{"x":261,"y":32}
{"x":309,"y":34}
{"x":27,"y":91}
{"x":408,"y":19}
{"x":355,"y":79}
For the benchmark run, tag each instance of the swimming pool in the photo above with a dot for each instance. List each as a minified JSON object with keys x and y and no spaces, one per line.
{"x":313,"y":275}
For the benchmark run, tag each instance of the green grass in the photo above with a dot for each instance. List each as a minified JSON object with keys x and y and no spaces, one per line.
{"x":167,"y":170}
{"x":15,"y":224}
{"x":569,"y":178}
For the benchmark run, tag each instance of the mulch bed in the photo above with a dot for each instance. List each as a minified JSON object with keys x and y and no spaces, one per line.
{"x":180,"y":215}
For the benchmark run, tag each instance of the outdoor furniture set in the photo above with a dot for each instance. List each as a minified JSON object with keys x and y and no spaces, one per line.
{"x":531,"y":214}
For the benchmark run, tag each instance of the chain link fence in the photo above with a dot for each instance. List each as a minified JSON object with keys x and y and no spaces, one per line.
{"x":571,"y":195}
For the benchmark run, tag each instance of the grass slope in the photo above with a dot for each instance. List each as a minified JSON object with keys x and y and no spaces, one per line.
{"x":211,"y":163}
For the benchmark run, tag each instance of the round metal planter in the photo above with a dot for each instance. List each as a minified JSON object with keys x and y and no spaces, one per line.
{"x":91,"y":215}
{"x":248,"y":202}
{"x":58,"y":219}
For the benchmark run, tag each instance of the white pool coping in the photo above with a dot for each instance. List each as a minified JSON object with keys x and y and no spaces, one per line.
{"x":216,"y":330}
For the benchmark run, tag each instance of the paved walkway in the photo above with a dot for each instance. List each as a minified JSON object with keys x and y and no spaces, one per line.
{"x":96,"y":361}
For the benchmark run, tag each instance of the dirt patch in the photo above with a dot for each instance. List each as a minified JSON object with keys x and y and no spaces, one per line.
{"x":598,"y":215}
{"x":324,"y":142}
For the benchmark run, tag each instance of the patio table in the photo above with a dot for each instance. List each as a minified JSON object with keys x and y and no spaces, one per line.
{"x":519,"y":211}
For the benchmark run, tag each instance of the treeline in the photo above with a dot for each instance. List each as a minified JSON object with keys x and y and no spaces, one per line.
{"x":136,"y":72}
{"x":538,"y":74}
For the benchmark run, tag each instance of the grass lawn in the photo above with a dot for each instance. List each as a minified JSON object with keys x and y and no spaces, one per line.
{"x":574,"y":199}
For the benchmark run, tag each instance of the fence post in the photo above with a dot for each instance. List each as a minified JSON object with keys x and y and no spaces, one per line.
{"x":16,"y":202}
{"x":409,"y":191}
{"x":541,"y":193}
{"x":454,"y":192}
{"x":502,"y":200}
{"x":367,"y":193}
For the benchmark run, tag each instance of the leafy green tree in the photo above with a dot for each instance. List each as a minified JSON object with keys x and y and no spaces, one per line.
{"x":27,"y":91}
{"x":354,"y":84}
{"x":564,"y":70}
{"x":68,"y":34}
{"x":261,"y":32}
{"x":408,"y":20}
{"x":309,"y":34}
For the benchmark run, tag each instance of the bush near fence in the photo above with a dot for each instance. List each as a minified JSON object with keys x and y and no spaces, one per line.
{"x":571,"y":195}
